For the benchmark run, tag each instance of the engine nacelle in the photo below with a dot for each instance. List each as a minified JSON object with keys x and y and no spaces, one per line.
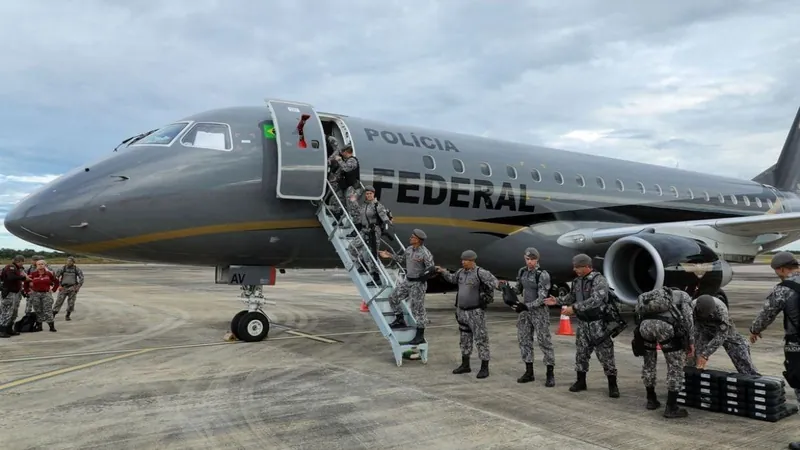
{"x":646,"y":261}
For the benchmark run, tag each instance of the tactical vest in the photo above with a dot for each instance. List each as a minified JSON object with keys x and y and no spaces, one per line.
{"x":528,"y":287}
{"x":791,"y":311}
{"x":678,"y":340}
{"x":353,"y":177}
{"x":469,"y":289}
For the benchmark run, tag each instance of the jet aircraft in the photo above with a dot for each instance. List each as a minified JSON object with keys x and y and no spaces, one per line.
{"x":239,"y":189}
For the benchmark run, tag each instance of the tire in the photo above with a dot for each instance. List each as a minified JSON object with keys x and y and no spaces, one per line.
{"x":253,"y":327}
{"x":235,"y":323}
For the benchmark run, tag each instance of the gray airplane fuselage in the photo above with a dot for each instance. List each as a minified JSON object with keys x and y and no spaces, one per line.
{"x":191,"y":205}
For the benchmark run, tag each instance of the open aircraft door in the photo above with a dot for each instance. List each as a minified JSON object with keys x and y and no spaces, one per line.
{"x":302,"y":158}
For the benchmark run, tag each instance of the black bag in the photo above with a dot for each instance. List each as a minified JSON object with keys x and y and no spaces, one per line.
{"x":28,"y":324}
{"x":509,"y":296}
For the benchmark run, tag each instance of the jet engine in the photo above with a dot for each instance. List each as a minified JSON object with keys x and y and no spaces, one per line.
{"x":646,"y":261}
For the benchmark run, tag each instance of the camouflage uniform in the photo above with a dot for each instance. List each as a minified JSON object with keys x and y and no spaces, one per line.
{"x":588,"y":293}
{"x":333,"y":175}
{"x":9,"y":305}
{"x":718,"y":330}
{"x":417,"y":260}
{"x":42,"y":303}
{"x":471,"y":312}
{"x":371,"y":217}
{"x":656,"y":328}
{"x":351,"y":194}
{"x":71,"y":278}
{"x":534,"y":318}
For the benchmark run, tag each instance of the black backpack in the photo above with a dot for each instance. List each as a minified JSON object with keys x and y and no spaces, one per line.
{"x":28,"y":324}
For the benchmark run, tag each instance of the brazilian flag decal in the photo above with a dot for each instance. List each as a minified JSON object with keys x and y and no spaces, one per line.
{"x":269,"y":131}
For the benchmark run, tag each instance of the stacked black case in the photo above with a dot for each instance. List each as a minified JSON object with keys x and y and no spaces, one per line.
{"x":756,"y":397}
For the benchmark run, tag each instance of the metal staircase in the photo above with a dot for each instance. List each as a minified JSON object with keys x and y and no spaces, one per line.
{"x":375,"y":297}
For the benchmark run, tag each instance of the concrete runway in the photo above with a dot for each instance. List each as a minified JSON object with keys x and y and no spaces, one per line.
{"x":143,"y":365}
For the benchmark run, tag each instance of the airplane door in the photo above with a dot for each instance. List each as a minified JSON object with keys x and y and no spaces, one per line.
{"x":302,"y":159}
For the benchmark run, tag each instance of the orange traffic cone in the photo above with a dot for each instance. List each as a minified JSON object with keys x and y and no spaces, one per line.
{"x":564,"y":326}
{"x":658,"y":346}
{"x":364,"y":307}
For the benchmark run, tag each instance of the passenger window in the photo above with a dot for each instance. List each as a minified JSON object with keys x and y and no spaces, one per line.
{"x":674,"y":191}
{"x":640,"y":185}
{"x":537,"y":177}
{"x":559,"y":178}
{"x":512,"y":172}
{"x":164,"y":135}
{"x":746,"y":200}
{"x":458,"y":166}
{"x":733,"y":199}
{"x":706,"y":196}
{"x":215,"y":136}
{"x":758,"y":203}
{"x":485,"y":169}
{"x":620,"y":185}
{"x":581,"y":182}
{"x":601,"y":183}
{"x":721,"y":198}
{"x":658,"y":189}
{"x":430,"y":164}
{"x":690,"y":194}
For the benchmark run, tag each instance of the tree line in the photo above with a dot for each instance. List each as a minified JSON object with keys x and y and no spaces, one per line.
{"x":7,"y":254}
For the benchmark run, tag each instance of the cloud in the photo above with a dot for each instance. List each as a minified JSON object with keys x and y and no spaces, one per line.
{"x":700,"y":85}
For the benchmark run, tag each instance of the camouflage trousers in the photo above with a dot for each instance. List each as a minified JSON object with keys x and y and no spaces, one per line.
{"x":42,"y":303}
{"x":414,"y":291}
{"x":585,"y":335}
{"x":70,"y":293}
{"x":472,"y":325}
{"x":659,"y":331}
{"x":372,"y":236}
{"x":535,"y":321}
{"x":791,"y":363}
{"x":735,"y":345}
{"x":331,"y":202}
{"x":9,"y":307}
{"x":351,"y":198}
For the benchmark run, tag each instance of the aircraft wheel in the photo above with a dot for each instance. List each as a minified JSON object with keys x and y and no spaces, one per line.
{"x":235,"y":323}
{"x":253,"y":326}
{"x":724,"y":297}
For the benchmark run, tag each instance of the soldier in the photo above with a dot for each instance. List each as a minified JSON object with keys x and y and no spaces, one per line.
{"x":533,"y":284}
{"x":672,"y":328}
{"x":713,"y":327}
{"x":475,"y":285}
{"x":70,"y":278}
{"x":587,"y":300}
{"x":785,"y":297}
{"x":374,"y":219}
{"x":12,"y":278}
{"x":42,"y":282}
{"x":418,"y":260}
{"x":333,"y":175}
{"x":350,"y":180}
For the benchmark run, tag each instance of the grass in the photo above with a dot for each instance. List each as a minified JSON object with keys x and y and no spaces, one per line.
{"x":53,"y":262}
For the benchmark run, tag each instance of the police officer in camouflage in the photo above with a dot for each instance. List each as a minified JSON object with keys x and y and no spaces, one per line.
{"x":349,"y":176}
{"x":784,"y":298}
{"x":373,"y":220}
{"x":714,"y":327}
{"x":71,"y":279}
{"x":665,"y":318}
{"x":418,"y":259}
{"x":475,"y":284}
{"x":12,"y":278}
{"x":586,"y":300}
{"x":533,"y":284}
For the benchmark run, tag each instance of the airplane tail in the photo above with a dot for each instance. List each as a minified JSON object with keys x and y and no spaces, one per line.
{"x":785,"y":174}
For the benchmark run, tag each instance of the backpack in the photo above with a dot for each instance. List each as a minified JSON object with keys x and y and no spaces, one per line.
{"x":28,"y":324}
{"x":654,"y":301}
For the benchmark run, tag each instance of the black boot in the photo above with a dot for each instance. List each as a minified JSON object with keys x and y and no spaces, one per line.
{"x":652,"y":398}
{"x":68,"y":316}
{"x":4,"y":332}
{"x":399,"y":322}
{"x":527,"y":377}
{"x":551,"y":379}
{"x":579,"y":385}
{"x":794,"y":446}
{"x":464,"y":367}
{"x":613,"y":390}
{"x":11,"y":331}
{"x":672,"y":411}
{"x":484,"y":372}
{"x":52,"y":326}
{"x":419,"y":338}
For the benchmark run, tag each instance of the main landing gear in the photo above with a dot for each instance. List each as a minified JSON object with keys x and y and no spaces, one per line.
{"x":251,"y":324}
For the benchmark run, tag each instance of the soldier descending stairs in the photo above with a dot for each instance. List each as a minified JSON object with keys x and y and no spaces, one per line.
{"x":404,"y":336}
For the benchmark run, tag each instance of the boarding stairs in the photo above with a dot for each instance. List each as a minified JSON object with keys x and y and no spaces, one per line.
{"x":376,"y":297}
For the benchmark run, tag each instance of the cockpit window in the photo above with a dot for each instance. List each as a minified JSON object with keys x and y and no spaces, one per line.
{"x":215,"y":136}
{"x":164,"y":135}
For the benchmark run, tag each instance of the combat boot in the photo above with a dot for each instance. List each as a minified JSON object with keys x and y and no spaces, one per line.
{"x":672,"y":411}
{"x":399,"y":322}
{"x":613,"y":390}
{"x":11,"y":331}
{"x":652,"y":398}
{"x":794,"y":446}
{"x":551,"y":379}
{"x":527,"y":377}
{"x":4,"y":332}
{"x":419,"y":338}
{"x":52,"y":326}
{"x":484,"y":372}
{"x":464,"y":367}
{"x":579,"y":385}
{"x":68,"y":316}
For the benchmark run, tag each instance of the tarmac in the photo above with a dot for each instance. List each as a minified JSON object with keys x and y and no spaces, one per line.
{"x":143,"y":364}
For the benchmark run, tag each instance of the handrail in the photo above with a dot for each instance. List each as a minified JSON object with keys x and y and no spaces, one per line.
{"x":378,"y":264}
{"x":396,"y":239}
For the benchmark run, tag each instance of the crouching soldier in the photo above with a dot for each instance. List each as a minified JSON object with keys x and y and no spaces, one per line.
{"x":586,"y":301}
{"x":40,"y":287}
{"x":476,"y":288}
{"x":714,"y":328}
{"x":664,"y":317}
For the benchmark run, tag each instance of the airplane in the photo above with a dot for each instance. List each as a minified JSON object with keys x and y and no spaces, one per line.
{"x":242,"y":189}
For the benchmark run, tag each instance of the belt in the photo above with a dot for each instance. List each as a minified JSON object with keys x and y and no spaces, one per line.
{"x":67,"y":285}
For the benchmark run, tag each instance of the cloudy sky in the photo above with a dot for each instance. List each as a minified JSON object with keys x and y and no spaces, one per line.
{"x":708,"y":85}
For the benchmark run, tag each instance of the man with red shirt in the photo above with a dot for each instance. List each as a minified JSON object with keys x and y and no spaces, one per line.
{"x":12,"y":277}
{"x":39,"y":288}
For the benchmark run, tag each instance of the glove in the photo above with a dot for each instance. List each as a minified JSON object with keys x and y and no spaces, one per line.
{"x":519,"y":307}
